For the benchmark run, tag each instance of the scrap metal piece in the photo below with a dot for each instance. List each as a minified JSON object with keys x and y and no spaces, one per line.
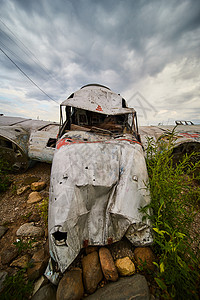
{"x":186,"y":138}
{"x":23,"y":140}
{"x":14,"y":147}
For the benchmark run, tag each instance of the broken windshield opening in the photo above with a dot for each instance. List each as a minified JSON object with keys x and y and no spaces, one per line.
{"x":80,"y":119}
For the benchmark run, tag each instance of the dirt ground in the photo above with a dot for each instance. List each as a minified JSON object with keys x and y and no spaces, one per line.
{"x":14,"y":210}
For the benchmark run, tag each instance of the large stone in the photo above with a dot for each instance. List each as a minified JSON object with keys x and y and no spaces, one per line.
{"x":38,"y":264}
{"x":38,"y":256}
{"x":40,"y":283}
{"x":71,"y":286}
{"x":28,"y":229}
{"x":92,"y":273}
{"x":90,"y":249}
{"x":34,"y":197}
{"x":134,"y":287}
{"x":21,"y":262}
{"x":38,"y":186}
{"x":47,"y":292}
{"x":107,"y":264}
{"x":3,"y":230}
{"x":144,"y":257}
{"x":9,"y":254}
{"x":3,"y":275}
{"x":36,"y":270}
{"x":125,"y":266}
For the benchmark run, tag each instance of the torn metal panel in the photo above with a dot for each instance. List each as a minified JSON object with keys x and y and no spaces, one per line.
{"x":42,"y":143}
{"x":98,"y":184}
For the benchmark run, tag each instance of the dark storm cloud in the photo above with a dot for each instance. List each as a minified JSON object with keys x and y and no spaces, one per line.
{"x":116,"y":43}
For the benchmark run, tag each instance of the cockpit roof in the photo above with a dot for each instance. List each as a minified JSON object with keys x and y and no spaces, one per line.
{"x":98,"y":98}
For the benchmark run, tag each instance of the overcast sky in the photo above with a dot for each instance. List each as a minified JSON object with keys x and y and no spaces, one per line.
{"x":148,"y":51}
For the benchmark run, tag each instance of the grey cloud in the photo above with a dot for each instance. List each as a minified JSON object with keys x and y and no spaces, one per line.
{"x":116,"y":43}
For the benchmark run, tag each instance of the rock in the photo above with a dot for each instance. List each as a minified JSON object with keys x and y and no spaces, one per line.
{"x":144,"y":257}
{"x":107,"y":264}
{"x":90,"y":249}
{"x":125,"y":266}
{"x":47,"y":292}
{"x":38,"y":186}
{"x":122,"y":249}
{"x":21,"y":262}
{"x":34,"y":197}
{"x":36,"y":270}
{"x":39,"y":283}
{"x":31,"y":179}
{"x":35,"y":217}
{"x":92,"y":273}
{"x":70,"y":286}
{"x":22,"y":190}
{"x":38,"y":256}
{"x":38,"y":264}
{"x":3,"y":275}
{"x":9,"y":254}
{"x":134,"y":287}
{"x":28,"y":229}
{"x":3,"y":230}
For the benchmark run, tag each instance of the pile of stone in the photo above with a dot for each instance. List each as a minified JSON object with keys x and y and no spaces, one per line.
{"x":97,"y":275}
{"x":112,"y":279}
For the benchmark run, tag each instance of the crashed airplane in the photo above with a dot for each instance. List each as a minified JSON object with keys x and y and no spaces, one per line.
{"x":99,"y":177}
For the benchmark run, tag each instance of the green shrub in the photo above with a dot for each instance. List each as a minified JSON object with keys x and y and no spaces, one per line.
{"x":173,"y":213}
{"x":17,"y":287}
{"x":23,"y":245}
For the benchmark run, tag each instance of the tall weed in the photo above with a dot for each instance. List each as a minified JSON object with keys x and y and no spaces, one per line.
{"x":173,"y":214}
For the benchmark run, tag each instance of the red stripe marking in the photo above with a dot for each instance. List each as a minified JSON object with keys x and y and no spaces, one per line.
{"x":67,"y":141}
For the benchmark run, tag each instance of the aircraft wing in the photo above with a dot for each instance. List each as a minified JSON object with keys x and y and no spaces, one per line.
{"x":187,"y":137}
{"x":22,"y":140}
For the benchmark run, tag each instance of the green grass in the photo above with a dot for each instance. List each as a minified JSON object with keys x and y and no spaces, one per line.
{"x":174,"y":200}
{"x":24,"y":245}
{"x":17,"y":287}
{"x":43,"y":210}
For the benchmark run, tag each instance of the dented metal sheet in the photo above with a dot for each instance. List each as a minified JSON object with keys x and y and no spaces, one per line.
{"x":22,"y":140}
{"x":98,"y":99}
{"x":42,"y":143}
{"x":97,"y":187}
